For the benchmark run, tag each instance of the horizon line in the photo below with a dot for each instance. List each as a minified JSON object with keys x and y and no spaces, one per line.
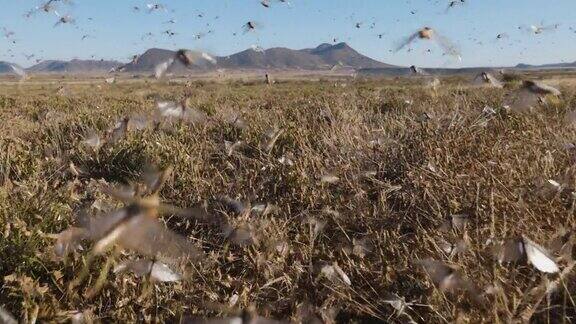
{"x":283,"y":47}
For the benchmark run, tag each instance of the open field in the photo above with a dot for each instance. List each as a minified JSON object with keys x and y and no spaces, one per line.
{"x":360,"y":186}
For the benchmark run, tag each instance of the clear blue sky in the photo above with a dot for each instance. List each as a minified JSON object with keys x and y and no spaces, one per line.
{"x":116,"y":30}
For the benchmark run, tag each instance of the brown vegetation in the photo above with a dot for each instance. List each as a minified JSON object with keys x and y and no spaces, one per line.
{"x":328,"y":201}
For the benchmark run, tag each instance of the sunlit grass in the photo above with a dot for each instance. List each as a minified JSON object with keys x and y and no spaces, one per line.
{"x":396,"y":178}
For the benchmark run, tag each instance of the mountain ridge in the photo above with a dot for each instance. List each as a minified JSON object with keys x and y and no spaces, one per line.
{"x":73,"y":66}
{"x":6,"y":67}
{"x":546,"y":66}
{"x":323,"y":57}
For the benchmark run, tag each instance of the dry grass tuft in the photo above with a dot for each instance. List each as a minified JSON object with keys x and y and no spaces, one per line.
{"x":310,"y":202}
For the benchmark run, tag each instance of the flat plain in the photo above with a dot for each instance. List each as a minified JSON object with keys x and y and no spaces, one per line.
{"x":363,"y":183}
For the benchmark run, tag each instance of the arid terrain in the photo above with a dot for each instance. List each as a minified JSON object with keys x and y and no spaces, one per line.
{"x":339,"y":200}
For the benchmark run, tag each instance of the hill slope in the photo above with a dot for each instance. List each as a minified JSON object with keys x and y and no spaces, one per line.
{"x":343,"y":54}
{"x":322,"y":57}
{"x":73,"y":66}
{"x":147,"y":62}
{"x":5,"y":67}
{"x":547,"y":66}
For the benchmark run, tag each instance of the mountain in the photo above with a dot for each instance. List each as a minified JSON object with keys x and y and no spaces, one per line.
{"x":149,"y":59}
{"x":147,"y":62}
{"x":322,"y":57}
{"x":273,"y":58}
{"x":345,"y":55}
{"x":73,"y":66}
{"x":402,"y":71}
{"x":6,"y":68}
{"x":547,"y":66}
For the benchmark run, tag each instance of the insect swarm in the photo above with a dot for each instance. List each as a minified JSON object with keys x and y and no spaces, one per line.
{"x":364,"y":198}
